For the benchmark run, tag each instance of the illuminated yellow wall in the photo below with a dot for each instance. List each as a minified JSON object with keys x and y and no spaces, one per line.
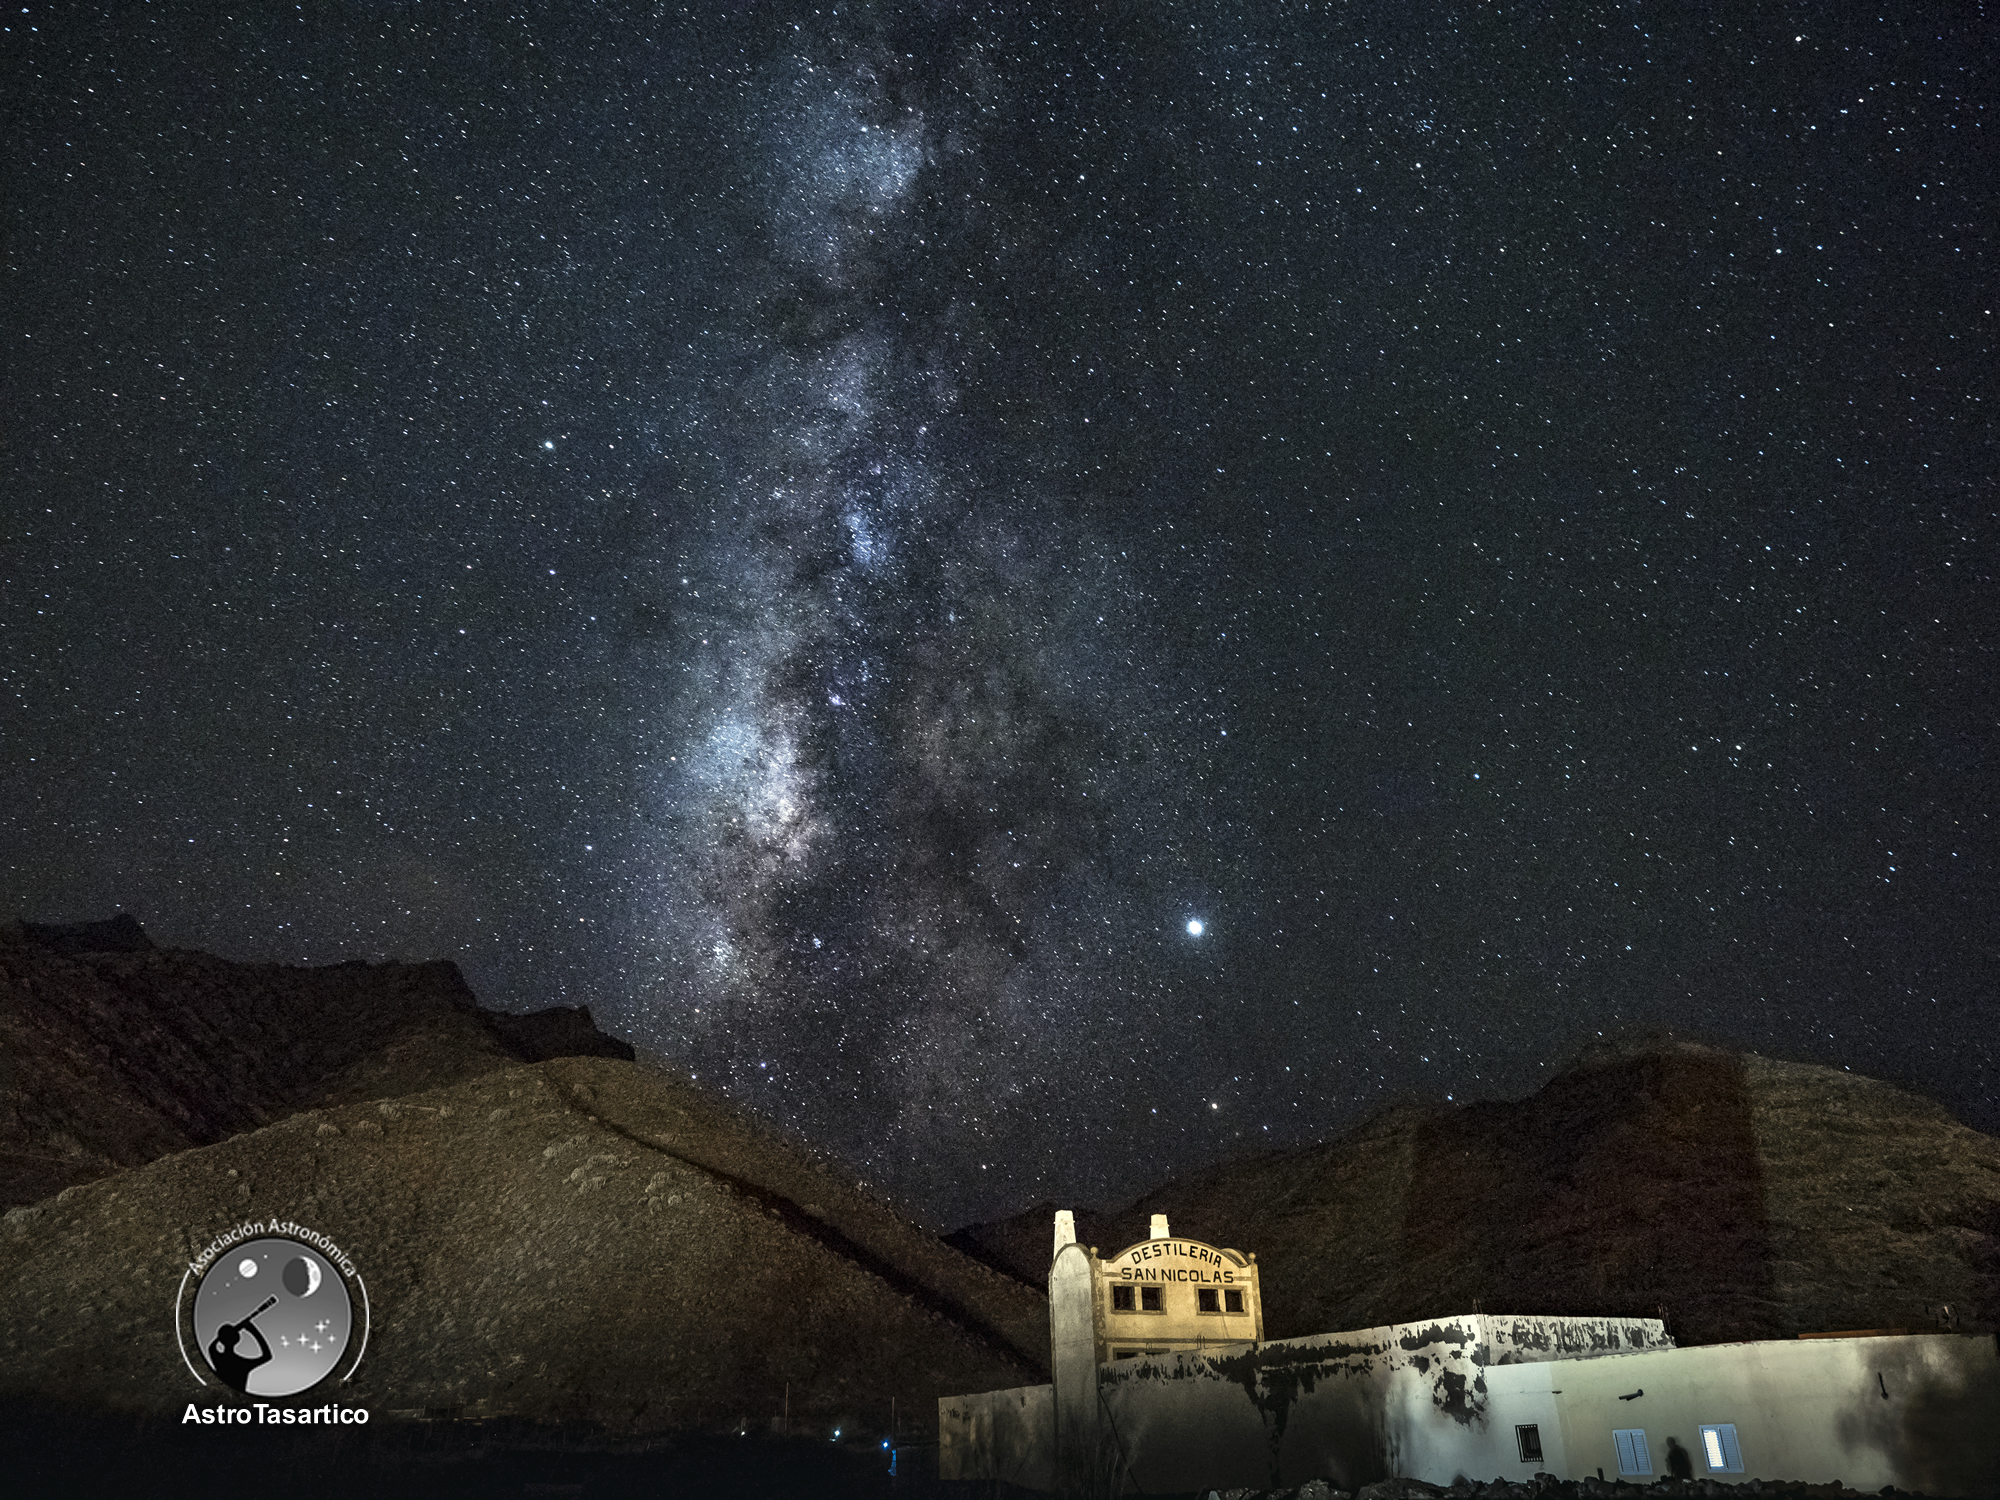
{"x":1174,"y":1273}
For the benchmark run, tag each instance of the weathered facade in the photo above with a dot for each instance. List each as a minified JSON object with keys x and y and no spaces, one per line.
{"x":1162,"y":1294}
{"x":1452,"y":1399}
{"x":1474,"y":1396}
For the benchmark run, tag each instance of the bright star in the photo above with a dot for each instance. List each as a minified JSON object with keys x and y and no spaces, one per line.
{"x":548,"y":444}
{"x":1195,"y":928}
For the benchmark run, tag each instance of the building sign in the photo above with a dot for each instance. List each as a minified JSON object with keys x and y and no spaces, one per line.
{"x":1178,"y":1260}
{"x":1164,"y":1294}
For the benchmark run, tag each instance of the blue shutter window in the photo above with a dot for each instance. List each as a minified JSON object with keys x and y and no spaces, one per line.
{"x":1634,"y":1457}
{"x":1718,"y":1446}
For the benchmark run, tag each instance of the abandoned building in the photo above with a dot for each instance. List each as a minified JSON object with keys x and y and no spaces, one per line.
{"x":1163,"y":1382}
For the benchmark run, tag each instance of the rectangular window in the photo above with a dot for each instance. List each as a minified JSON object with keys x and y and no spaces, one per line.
{"x":1150,"y":1299}
{"x":1126,"y":1354}
{"x":1121,"y":1299}
{"x":1634,"y":1457}
{"x":1718,"y":1446}
{"x":1232,"y":1302}
{"x":1205,"y":1300}
{"x":1528,"y":1439}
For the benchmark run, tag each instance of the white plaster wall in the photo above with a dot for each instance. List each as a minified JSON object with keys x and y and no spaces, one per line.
{"x":1921,"y":1412}
{"x":1412,"y":1399}
{"x":1005,"y":1435}
{"x":1519,"y":1394}
{"x":1425,"y":1443}
{"x":1073,"y":1362}
{"x":1515,"y":1338}
{"x":1179,"y":1426}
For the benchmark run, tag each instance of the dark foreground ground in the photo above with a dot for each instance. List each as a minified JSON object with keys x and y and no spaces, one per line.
{"x":49,"y":1449}
{"x":46,"y":1449}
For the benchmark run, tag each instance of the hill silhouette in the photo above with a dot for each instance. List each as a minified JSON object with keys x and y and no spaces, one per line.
{"x":553,"y":1232}
{"x":581,"y":1240}
{"x":114,"y":1052}
{"x":549,"y":1232}
{"x":1745,"y":1196}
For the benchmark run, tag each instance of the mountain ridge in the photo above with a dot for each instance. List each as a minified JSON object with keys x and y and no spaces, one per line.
{"x":562,"y":1232}
{"x":114,"y":1052}
{"x":579,"y":1239}
{"x":548,"y":1229}
{"x":1743,"y":1196}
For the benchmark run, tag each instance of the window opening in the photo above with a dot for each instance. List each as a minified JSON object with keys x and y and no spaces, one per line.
{"x":1150,"y":1299}
{"x":1634,"y":1457}
{"x":1121,"y":1299}
{"x":1528,"y":1438}
{"x":1206,"y":1300}
{"x":1719,"y":1447}
{"x":1232,"y":1302}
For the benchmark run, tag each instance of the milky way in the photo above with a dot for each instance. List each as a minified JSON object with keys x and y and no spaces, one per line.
{"x":903,"y":852}
{"x":1040,"y":595}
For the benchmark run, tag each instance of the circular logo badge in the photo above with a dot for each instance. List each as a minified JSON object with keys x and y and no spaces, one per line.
{"x":272,"y":1317}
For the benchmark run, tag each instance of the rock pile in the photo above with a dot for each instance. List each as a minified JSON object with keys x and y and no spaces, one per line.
{"x":1546,"y":1487}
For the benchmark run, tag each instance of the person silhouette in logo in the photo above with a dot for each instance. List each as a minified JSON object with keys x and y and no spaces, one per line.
{"x":231,"y":1368}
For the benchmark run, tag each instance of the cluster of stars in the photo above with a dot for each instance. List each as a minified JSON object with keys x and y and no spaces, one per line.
{"x":982,"y":575}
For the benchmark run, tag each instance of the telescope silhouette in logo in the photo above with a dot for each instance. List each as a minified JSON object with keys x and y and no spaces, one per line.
{"x":231,"y":1368}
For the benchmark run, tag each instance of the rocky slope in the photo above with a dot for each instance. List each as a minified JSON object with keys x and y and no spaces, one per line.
{"x":1747,"y":1197}
{"x":114,"y":1053}
{"x":576,"y":1240}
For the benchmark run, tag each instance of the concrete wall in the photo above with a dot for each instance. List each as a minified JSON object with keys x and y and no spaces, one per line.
{"x":1409,"y":1399}
{"x":1004,"y":1435}
{"x":1355,"y":1407}
{"x":1920,"y":1412}
{"x":1439,"y":1401}
{"x":1074,"y":1352}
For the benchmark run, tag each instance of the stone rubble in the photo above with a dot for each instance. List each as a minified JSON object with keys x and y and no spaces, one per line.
{"x":1548,"y":1487}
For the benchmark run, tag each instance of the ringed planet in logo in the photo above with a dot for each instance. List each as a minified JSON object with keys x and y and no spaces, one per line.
{"x":272,"y":1317}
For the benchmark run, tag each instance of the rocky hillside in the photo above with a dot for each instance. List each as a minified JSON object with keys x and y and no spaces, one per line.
{"x":547,"y":1231}
{"x":577,"y":1240}
{"x":114,"y":1053}
{"x":1747,"y":1197}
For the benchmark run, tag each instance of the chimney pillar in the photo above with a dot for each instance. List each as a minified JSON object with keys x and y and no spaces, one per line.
{"x":1065,"y":1230}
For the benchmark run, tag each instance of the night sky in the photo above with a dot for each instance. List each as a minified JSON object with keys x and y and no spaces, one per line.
{"x":1043,"y":593}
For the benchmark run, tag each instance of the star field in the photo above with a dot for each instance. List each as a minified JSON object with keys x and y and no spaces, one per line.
{"x":1041,"y":594}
